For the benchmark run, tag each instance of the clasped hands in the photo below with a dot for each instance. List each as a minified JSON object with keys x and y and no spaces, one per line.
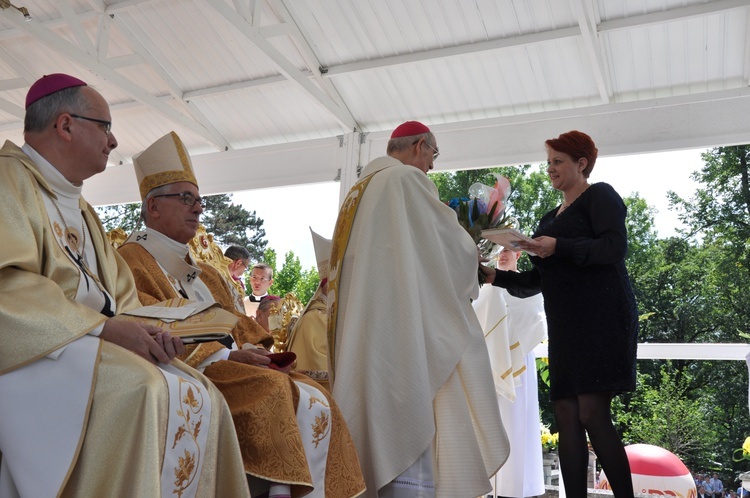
{"x":156,"y":345}
{"x":147,"y":341}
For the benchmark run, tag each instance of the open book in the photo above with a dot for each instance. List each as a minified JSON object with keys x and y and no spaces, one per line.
{"x":506,"y":237}
{"x":191,"y":321}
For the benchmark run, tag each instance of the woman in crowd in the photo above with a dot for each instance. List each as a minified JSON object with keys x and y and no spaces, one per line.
{"x":592,"y":318}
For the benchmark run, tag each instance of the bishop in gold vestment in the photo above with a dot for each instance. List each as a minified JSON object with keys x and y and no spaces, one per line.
{"x":290,"y":430}
{"x":309,"y":338}
{"x":85,"y":412}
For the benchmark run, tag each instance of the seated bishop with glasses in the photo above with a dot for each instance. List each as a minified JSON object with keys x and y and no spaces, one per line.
{"x":292,"y":435}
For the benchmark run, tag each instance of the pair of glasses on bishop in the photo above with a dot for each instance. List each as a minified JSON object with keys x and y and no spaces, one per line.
{"x":435,"y":152}
{"x":186,"y":198}
{"x":105,"y":125}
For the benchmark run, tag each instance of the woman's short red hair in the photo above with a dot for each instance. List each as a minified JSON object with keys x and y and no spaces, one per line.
{"x":576,"y":144}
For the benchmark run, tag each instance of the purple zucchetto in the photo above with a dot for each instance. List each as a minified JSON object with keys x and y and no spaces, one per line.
{"x":49,"y":84}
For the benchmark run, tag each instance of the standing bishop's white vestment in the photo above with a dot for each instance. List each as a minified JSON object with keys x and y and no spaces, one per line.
{"x":410,"y":368}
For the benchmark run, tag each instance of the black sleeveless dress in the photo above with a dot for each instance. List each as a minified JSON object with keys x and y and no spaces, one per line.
{"x":591,"y":311}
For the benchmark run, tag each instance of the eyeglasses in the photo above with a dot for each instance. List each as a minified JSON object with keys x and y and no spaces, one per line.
{"x":107,"y":124}
{"x":436,"y":154}
{"x":244,"y":265}
{"x":259,"y":279}
{"x":186,"y":198}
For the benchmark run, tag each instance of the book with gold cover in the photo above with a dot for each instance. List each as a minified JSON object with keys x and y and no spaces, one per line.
{"x":192,"y":321}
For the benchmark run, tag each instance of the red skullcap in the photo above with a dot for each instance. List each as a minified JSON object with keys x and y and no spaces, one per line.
{"x":409,"y":129}
{"x":49,"y":84}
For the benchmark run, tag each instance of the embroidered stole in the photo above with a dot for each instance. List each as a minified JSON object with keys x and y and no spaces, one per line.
{"x":340,"y":241}
{"x":90,"y":292}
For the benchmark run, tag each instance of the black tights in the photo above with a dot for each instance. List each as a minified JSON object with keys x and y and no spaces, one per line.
{"x":577,"y":416}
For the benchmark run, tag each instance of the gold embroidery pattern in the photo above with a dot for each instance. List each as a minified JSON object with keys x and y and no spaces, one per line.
{"x":58,"y":230}
{"x":341,"y":234}
{"x":117,"y":237}
{"x":190,"y":406}
{"x":322,"y":424}
{"x":314,"y":400}
{"x":205,"y":250}
{"x":320,"y":428}
{"x":165,"y":178}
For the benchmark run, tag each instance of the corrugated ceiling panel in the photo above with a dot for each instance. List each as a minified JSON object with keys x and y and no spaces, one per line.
{"x":202,"y":53}
{"x":679,"y":57}
{"x":267,"y":115}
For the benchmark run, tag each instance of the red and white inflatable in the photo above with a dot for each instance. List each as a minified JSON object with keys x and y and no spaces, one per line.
{"x":656,"y":471}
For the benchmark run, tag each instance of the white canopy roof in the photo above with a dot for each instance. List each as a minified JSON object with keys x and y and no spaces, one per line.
{"x":281,"y":92}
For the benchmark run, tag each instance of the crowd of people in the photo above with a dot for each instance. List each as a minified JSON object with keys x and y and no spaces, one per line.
{"x":709,"y":485}
{"x":410,"y":407}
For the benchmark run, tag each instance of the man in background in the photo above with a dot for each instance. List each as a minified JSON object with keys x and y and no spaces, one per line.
{"x":409,"y":366}
{"x":261,"y":279}
{"x":717,"y":485}
{"x":513,"y":326}
{"x":90,"y":403}
{"x":240,"y":257}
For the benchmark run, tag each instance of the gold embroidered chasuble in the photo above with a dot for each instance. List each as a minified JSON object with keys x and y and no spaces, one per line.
{"x":410,"y":368}
{"x":264,"y":403}
{"x":38,"y":316}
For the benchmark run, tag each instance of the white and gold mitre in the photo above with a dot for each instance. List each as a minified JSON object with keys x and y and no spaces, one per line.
{"x":166,"y":161}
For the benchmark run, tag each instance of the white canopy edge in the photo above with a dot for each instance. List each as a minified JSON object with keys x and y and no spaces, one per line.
{"x":674,"y":123}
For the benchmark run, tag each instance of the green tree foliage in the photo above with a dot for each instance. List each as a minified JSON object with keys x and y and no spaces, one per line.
{"x":291,"y":277}
{"x":641,"y":232}
{"x":232,"y":224}
{"x":285,"y":279}
{"x":124,"y":216}
{"x":664,"y":414}
{"x":307,"y":284}
{"x":721,"y":206}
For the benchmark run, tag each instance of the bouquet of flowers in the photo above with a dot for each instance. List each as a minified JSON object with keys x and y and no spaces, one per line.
{"x":484,"y":209}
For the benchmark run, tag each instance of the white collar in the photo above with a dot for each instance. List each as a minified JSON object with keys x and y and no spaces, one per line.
{"x":57,"y":182}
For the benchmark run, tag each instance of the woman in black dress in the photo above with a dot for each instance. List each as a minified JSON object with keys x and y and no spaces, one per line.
{"x":580,"y":249}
